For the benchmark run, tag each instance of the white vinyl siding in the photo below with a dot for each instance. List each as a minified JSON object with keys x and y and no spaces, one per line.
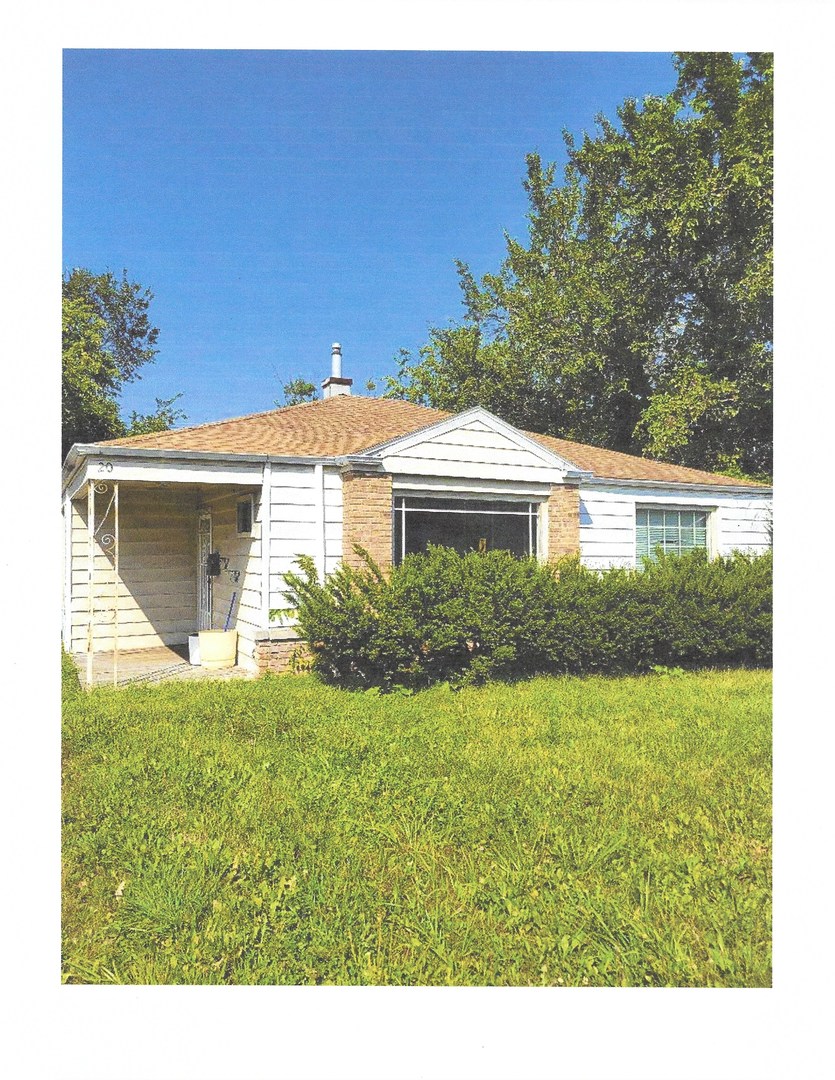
{"x":238,"y":587}
{"x":158,"y":573}
{"x":607,"y":529}
{"x":157,"y":588}
{"x":475,"y":451}
{"x":305,"y":503}
{"x":738,"y":521}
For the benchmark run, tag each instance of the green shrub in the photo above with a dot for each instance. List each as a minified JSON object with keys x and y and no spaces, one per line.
{"x":442,"y":616}
{"x":70,"y":683}
{"x":435,"y":618}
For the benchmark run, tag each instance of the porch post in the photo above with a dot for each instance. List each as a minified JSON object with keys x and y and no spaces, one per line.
{"x":67,"y":628}
{"x":266,"y":528}
{"x":91,"y":548}
{"x":115,"y":582}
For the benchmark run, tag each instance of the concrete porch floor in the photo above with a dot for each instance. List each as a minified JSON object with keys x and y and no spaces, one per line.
{"x":151,"y":665}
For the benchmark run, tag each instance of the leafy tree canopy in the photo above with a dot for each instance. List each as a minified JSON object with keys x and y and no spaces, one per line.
{"x":163,"y":418}
{"x":297,"y":391}
{"x":638,"y":313}
{"x":106,"y":338}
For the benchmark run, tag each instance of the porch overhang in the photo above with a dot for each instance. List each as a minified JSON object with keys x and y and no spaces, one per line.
{"x":118,"y":463}
{"x":133,"y":562}
{"x":93,"y":461}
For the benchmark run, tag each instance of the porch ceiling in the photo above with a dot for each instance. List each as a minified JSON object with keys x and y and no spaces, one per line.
{"x":108,"y":467}
{"x":197,"y":495}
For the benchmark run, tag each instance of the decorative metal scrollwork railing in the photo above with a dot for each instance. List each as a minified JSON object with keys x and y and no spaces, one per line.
{"x":105,"y":538}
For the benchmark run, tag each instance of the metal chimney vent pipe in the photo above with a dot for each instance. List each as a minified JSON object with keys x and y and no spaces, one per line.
{"x":335,"y":385}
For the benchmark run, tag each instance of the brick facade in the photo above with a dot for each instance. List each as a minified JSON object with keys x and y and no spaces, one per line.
{"x":366,"y":517}
{"x":563,"y":521}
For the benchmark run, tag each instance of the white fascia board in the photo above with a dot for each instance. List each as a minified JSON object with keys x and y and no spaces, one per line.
{"x":97,"y":450}
{"x":77,"y":482}
{"x":500,"y":427}
{"x":194,"y":466}
{"x":549,"y":474}
{"x":466,"y":487}
{"x":668,"y":485}
{"x":161,"y":471}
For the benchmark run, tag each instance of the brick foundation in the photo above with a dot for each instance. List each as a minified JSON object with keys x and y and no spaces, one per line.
{"x":563,"y":521}
{"x":366,"y":517}
{"x":281,"y":654}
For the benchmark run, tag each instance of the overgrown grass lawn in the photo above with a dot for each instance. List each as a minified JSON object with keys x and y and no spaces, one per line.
{"x":599,"y":832}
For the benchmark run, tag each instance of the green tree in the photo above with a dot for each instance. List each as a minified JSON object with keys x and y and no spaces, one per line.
{"x":89,"y":411}
{"x":163,"y":418}
{"x":637,"y":315}
{"x":106,"y":338}
{"x":297,"y":391}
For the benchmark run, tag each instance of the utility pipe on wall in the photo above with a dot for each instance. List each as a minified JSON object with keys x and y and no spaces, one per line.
{"x":91,"y":549}
{"x":266,"y":529}
{"x":319,"y":500}
{"x":115,"y":582}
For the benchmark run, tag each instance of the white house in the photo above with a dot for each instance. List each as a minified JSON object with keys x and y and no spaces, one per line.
{"x":143,"y":514}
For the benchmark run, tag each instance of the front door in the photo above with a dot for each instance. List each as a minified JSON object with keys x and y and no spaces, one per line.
{"x":204,"y":582}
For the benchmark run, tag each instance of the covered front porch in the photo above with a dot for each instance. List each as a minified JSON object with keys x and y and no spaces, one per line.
{"x":160,"y":664}
{"x":150,"y":562}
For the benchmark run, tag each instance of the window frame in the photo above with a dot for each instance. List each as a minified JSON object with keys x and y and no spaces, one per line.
{"x":678,"y":508}
{"x":529,"y":508}
{"x":245,"y":500}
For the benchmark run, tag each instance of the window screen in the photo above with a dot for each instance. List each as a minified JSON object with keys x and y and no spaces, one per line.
{"x":670,"y":530}
{"x":464,"y":524}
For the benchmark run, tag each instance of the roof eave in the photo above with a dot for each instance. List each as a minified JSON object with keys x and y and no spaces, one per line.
{"x":685,"y":485}
{"x":360,"y":462}
{"x":91,"y":449}
{"x":79,"y":452}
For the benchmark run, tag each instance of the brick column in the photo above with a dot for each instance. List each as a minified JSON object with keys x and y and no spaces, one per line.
{"x":563,"y":521}
{"x":366,"y":517}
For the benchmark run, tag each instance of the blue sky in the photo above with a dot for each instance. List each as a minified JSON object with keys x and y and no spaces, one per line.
{"x":278,"y":201}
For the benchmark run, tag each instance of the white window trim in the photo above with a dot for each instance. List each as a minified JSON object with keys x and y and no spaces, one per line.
{"x":535,"y":531}
{"x":711,"y":524}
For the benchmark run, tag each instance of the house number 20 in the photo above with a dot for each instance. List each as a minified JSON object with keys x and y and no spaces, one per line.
{"x":105,"y":466}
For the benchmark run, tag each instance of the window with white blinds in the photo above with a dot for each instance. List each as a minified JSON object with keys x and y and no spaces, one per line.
{"x":670,"y":530}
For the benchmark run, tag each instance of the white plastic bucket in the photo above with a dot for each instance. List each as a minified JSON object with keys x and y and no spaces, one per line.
{"x":218,"y":648}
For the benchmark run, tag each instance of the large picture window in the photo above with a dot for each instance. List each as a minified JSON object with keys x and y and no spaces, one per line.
{"x":671,"y":530}
{"x":464,"y":524}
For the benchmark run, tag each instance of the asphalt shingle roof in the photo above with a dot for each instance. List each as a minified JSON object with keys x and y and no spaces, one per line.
{"x":349,"y":424}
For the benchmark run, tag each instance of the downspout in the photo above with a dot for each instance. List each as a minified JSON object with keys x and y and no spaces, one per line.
{"x":115,"y":582}
{"x":319,"y":503}
{"x":266,"y":529}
